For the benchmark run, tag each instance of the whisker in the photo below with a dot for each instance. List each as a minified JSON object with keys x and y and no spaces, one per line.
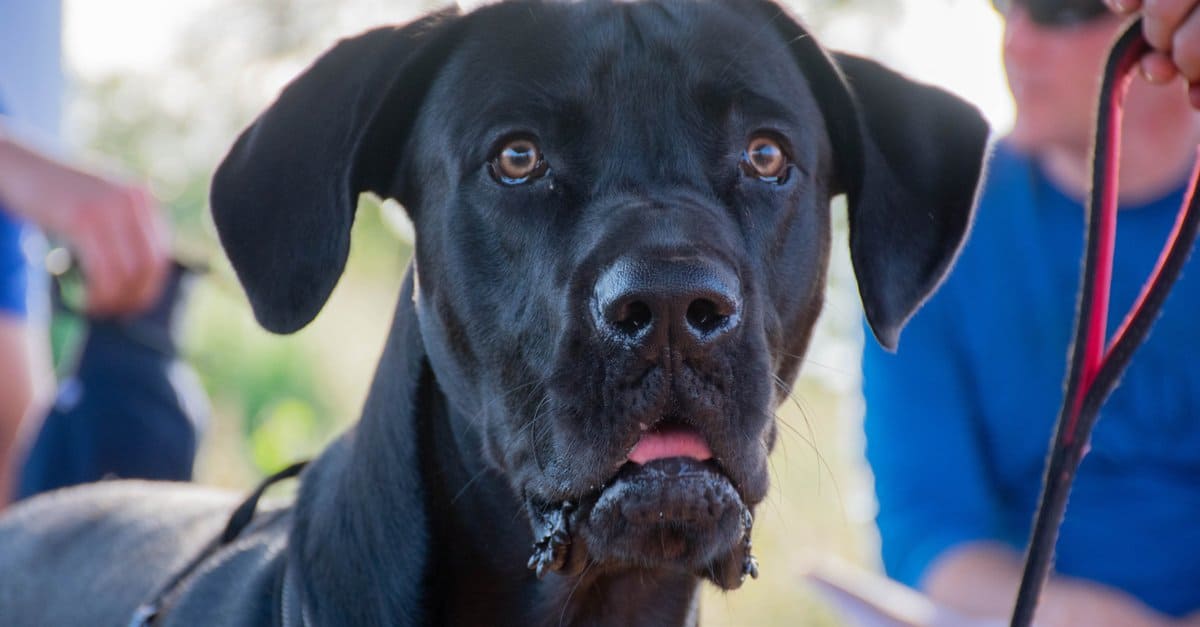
{"x":810,"y":440}
{"x":528,"y":430}
{"x":567,"y":603}
{"x":807,"y":360}
{"x":499,"y":398}
{"x":507,"y":448}
{"x":470,"y":482}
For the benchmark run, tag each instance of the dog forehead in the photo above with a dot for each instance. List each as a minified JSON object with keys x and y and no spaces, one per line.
{"x":595,"y":53}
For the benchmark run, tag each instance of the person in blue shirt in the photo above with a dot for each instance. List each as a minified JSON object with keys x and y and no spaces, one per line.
{"x":959,"y":419}
{"x":115,"y":228}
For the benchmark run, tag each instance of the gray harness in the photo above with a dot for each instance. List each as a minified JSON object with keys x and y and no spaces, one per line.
{"x":292,"y":611}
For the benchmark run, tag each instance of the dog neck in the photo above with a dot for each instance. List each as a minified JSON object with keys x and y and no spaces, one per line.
{"x":361,"y":534}
{"x":429,"y":535}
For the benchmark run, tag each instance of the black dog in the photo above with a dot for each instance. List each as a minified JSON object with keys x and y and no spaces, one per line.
{"x":623,"y":227}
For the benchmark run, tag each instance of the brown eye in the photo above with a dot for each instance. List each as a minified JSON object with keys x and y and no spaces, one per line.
{"x":764,"y":158}
{"x":518,"y":161}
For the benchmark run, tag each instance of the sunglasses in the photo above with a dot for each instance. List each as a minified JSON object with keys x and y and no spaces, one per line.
{"x":1055,"y":13}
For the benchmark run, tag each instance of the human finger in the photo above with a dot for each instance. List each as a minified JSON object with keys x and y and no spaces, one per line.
{"x":114,"y":224}
{"x":1161,"y":18}
{"x":1194,"y":95}
{"x":100,"y":271}
{"x":1124,"y":6}
{"x":124,"y":226}
{"x":1185,"y":47}
{"x":1156,"y":67}
{"x":148,"y":239}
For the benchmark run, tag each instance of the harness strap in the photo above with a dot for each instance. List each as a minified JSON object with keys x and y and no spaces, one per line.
{"x":148,"y":613}
{"x":1095,"y":369}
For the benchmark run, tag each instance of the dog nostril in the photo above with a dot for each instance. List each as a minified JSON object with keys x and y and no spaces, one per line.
{"x":633,"y":317}
{"x":705,"y":316}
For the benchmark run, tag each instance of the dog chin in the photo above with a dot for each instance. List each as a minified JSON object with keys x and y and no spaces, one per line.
{"x":670,"y":514}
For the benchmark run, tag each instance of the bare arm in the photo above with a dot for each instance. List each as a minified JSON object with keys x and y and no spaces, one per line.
{"x":115,"y":229}
{"x":981,"y":579}
{"x":121,"y":242}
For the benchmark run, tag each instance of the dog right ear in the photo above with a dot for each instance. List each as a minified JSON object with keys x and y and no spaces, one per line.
{"x":283,"y":199}
{"x":909,"y":158}
{"x":911,"y":201}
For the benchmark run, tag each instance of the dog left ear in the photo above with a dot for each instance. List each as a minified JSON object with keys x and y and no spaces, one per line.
{"x":283,"y":199}
{"x":909,"y":158}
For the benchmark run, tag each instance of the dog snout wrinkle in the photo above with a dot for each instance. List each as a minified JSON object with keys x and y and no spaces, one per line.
{"x":683,"y":303}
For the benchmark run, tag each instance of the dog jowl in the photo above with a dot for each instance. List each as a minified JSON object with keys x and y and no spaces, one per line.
{"x":623,"y":225}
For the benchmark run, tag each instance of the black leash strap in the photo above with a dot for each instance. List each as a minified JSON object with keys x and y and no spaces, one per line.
{"x":147,"y":613}
{"x":1094,"y":370}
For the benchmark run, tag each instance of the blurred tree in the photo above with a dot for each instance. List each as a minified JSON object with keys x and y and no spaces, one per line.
{"x":232,"y":59}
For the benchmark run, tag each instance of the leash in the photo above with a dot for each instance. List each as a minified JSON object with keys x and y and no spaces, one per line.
{"x":1095,"y":367}
{"x":148,"y":613}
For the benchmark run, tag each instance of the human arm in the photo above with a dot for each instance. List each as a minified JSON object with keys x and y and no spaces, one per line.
{"x":26,"y":384}
{"x":1172,"y":27}
{"x":115,"y":229}
{"x":981,"y":579}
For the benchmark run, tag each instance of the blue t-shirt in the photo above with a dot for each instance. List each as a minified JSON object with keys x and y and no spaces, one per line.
{"x":17,"y":272}
{"x":958,"y":421}
{"x":14,"y":267}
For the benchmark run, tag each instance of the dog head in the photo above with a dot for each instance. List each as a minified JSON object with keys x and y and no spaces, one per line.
{"x":622,"y":217}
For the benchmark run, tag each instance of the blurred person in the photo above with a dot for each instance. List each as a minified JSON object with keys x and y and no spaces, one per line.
{"x":115,"y":229}
{"x":130,"y":407}
{"x":959,"y":420}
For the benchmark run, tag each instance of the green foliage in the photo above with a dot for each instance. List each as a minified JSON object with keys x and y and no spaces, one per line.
{"x":237,"y":362}
{"x":283,"y":428}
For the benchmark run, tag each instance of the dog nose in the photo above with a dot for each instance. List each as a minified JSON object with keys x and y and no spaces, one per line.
{"x":685,"y":302}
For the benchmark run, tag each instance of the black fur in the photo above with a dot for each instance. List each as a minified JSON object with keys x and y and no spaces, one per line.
{"x":513,"y":384}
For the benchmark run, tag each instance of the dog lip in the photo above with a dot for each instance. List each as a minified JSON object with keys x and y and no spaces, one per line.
{"x":673,"y":513}
{"x":670,"y":440}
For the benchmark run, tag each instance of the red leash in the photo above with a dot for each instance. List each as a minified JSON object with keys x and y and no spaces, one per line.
{"x":1095,"y":368}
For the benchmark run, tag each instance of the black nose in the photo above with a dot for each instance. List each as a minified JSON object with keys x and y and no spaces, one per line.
{"x":683,"y":302}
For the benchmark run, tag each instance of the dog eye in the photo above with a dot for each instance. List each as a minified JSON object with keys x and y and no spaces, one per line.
{"x":765,"y":159}
{"x":518,"y":161}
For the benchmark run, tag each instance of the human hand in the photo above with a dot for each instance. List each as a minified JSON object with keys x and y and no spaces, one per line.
{"x":115,"y":230}
{"x":118,"y":237}
{"x":1078,"y":602}
{"x":1173,"y":29}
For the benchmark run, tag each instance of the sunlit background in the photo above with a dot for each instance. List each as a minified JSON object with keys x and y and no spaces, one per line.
{"x":160,"y":89}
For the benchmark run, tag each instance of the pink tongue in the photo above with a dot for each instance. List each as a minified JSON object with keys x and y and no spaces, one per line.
{"x":670,"y":441}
